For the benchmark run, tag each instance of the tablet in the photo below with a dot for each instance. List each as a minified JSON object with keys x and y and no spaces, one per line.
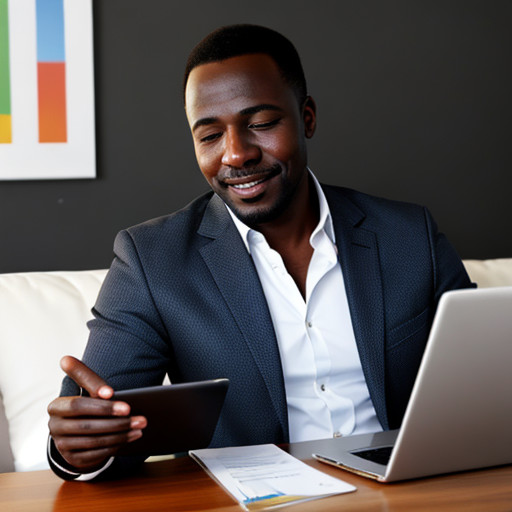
{"x":181,"y":417}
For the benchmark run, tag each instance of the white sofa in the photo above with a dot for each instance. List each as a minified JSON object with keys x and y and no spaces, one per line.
{"x":43,"y":317}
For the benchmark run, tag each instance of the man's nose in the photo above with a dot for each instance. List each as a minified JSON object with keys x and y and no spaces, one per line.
{"x":239,"y":150}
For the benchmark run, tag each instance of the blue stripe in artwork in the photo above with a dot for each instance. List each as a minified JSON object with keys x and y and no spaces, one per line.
{"x":50,"y":30}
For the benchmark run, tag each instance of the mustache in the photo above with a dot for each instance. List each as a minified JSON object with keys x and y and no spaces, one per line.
{"x":250,"y":171}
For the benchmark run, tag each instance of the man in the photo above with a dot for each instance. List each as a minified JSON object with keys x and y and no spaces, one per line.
{"x":315,"y":301}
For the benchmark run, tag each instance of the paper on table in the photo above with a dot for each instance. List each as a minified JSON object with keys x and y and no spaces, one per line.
{"x":265,"y":476}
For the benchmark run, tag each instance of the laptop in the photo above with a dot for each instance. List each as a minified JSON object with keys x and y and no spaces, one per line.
{"x":459,"y":416}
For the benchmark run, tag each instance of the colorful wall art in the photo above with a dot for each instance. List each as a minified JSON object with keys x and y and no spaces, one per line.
{"x":46,"y":90}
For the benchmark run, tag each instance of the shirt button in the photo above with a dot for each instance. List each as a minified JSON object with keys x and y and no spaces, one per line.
{"x":336,"y":434}
{"x":322,"y":387}
{"x":310,"y":324}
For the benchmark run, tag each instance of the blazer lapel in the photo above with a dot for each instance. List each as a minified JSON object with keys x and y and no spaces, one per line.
{"x":235,"y":275}
{"x":358,"y":256}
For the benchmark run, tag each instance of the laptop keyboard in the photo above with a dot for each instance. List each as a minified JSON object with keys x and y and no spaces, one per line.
{"x":378,"y":455}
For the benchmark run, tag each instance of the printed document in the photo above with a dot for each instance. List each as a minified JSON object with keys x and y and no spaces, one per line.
{"x":264,"y":476}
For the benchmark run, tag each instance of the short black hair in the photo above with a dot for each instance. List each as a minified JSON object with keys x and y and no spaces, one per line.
{"x":235,"y":40}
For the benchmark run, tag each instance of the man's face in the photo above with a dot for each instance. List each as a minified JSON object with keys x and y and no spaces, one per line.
{"x":249,"y":134}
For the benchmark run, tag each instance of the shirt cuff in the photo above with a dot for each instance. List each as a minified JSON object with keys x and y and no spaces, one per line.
{"x":64,"y":468}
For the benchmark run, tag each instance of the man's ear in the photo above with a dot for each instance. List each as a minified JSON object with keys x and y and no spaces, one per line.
{"x":309,"y":116}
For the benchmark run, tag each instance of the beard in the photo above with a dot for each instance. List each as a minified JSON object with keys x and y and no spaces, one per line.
{"x":254,"y":215}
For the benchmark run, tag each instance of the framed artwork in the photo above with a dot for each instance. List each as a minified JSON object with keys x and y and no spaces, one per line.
{"x":46,"y":90}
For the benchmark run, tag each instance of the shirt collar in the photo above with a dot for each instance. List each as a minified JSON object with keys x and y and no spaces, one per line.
{"x":324,"y":223}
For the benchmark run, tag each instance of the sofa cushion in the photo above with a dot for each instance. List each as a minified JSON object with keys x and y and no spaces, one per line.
{"x":43,"y":316}
{"x":489,"y":273}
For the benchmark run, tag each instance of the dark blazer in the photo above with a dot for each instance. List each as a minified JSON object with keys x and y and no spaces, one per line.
{"x":183,"y":297}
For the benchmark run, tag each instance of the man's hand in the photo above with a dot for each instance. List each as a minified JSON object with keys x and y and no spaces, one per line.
{"x":87,"y":431}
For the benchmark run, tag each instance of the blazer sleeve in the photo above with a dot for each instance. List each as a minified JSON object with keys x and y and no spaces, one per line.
{"x":449,"y":272}
{"x":127,"y":327}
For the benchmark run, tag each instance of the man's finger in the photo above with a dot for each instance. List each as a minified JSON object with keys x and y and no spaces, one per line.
{"x":75,"y":406}
{"x":80,"y":443}
{"x":86,"y":378}
{"x":87,"y":426}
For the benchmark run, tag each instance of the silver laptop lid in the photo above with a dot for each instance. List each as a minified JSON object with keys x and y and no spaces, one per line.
{"x":459,"y":416}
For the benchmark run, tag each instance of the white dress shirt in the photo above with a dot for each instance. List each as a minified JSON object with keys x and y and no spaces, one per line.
{"x":326,"y":391}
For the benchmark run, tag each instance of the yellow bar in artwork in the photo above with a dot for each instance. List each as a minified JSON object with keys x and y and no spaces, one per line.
{"x":5,"y":129}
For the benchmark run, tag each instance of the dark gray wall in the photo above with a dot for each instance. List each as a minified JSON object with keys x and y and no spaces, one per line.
{"x":413,"y":103}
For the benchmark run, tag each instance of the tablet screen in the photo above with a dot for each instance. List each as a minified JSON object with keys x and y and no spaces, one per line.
{"x":181,"y":417}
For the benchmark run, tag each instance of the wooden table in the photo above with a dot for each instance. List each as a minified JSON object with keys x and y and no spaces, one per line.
{"x":181,"y":485}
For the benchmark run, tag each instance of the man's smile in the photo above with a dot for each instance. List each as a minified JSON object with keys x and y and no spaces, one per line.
{"x":249,"y":184}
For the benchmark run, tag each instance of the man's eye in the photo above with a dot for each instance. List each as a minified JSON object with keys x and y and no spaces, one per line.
{"x":209,"y":138}
{"x":267,"y":124}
